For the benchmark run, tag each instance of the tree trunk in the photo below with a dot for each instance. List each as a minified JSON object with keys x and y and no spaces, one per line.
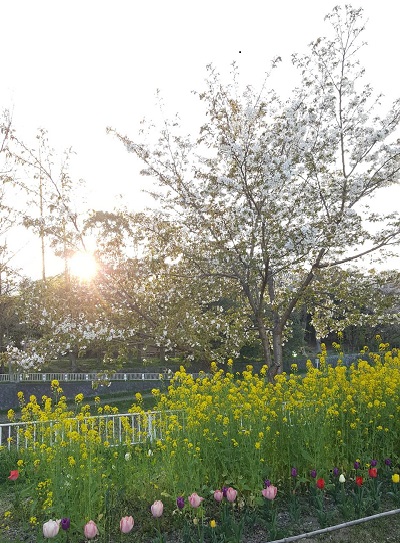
{"x":140,"y":353}
{"x":262,"y":332}
{"x":73,"y":363}
{"x":277,"y":364}
{"x":161,"y":352}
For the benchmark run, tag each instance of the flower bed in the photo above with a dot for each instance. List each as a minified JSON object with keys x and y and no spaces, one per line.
{"x":326,"y":444}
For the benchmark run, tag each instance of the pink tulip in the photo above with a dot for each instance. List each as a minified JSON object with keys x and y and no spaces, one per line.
{"x":157,"y":508}
{"x":231,"y":494}
{"x":50,"y":528}
{"x":90,"y":530}
{"x":218,"y":495}
{"x":269,"y":492}
{"x":126,"y":524}
{"x":195,"y":500}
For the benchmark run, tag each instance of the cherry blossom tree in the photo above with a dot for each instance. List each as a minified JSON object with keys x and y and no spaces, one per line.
{"x":9,"y":274}
{"x":153,"y":293}
{"x":60,"y":316}
{"x":49,"y":204}
{"x":274,"y":194}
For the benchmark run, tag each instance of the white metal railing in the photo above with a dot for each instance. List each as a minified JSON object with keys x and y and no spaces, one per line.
{"x":92,"y":376}
{"x":116,"y":429}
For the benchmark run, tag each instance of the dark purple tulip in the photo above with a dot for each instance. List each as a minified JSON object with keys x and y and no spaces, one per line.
{"x":267,"y":483}
{"x":313,"y":473}
{"x":388,"y":462}
{"x":336,"y":472}
{"x":294,"y":472}
{"x":65,"y":523}
{"x":180,"y":502}
{"x":357,"y":465}
{"x":225,"y":490}
{"x":373,"y":463}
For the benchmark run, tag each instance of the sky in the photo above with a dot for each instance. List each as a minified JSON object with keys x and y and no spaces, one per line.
{"x":76,"y":67}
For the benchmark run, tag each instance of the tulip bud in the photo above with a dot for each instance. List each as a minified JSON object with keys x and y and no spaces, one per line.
{"x":218,"y":495}
{"x":195,"y":500}
{"x":14,"y":474}
{"x":157,"y":509}
{"x":373,"y":473}
{"x":50,"y":528}
{"x":342,"y":478}
{"x":269,"y":492}
{"x":231,"y":494}
{"x":126,"y":524}
{"x":65,"y":523}
{"x":90,"y":530}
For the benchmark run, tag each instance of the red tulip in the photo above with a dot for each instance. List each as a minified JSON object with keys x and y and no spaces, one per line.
{"x":14,"y":474}
{"x":320,"y":484}
{"x":359,"y":480}
{"x":373,"y":472}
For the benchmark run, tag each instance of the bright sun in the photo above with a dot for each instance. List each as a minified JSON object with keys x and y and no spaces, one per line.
{"x":83,"y":266}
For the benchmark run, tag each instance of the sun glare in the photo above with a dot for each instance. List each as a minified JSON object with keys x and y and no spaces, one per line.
{"x":83,"y":266}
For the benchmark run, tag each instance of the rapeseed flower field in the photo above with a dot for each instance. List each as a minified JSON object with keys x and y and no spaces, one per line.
{"x":229,"y":446}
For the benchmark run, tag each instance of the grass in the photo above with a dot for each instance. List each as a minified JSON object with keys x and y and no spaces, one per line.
{"x":375,"y":531}
{"x":121,"y":400}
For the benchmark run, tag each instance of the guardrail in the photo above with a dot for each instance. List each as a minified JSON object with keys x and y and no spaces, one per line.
{"x":93,"y":376}
{"x":129,"y":428}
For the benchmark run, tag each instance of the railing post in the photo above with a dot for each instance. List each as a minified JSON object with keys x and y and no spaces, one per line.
{"x":150,"y":426}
